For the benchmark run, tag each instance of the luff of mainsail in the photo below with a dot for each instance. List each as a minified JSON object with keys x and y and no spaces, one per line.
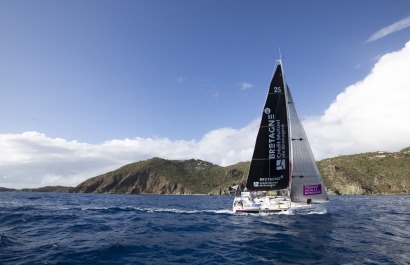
{"x":269,"y":168}
{"x":306,"y":182}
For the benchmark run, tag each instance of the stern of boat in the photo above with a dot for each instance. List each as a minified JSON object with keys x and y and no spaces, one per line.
{"x":318,"y":208}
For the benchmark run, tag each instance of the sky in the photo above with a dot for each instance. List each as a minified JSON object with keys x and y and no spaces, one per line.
{"x":89,"y":86}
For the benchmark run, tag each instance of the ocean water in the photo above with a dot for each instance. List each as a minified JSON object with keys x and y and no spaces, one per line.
{"x":57,"y":228}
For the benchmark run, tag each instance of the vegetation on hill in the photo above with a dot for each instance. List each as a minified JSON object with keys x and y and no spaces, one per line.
{"x":369,"y":173}
{"x":50,"y":189}
{"x":42,"y":189}
{"x":6,"y":189}
{"x":160,"y":176}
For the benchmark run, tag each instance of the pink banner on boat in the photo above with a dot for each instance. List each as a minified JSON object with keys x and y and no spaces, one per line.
{"x":312,"y":189}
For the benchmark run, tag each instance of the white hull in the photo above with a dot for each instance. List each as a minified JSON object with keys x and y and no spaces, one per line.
{"x":275,"y":204}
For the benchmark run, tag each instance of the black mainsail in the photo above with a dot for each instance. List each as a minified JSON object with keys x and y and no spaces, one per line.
{"x":270,"y":165}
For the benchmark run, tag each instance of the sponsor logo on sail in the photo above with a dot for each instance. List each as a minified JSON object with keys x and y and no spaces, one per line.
{"x":280,"y":164}
{"x":277,"y":139}
{"x":272,"y":132}
{"x":312,"y":189}
{"x":267,"y":182}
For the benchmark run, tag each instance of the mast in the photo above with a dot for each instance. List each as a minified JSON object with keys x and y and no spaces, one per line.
{"x":285,"y":85}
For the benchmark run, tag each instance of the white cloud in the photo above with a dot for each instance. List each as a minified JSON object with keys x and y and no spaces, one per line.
{"x":371,"y":115}
{"x":32,"y":159}
{"x":245,"y":86}
{"x":399,"y":25}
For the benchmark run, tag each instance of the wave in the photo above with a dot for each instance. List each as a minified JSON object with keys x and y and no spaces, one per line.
{"x":184,"y":211}
{"x":155,"y":210}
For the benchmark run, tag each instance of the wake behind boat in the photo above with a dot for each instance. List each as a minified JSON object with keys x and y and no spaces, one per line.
{"x":283,"y":175}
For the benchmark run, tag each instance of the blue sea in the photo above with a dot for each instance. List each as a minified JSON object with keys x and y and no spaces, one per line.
{"x":59,"y":228}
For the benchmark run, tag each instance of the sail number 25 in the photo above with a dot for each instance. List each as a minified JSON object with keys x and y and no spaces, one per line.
{"x":277,"y":89}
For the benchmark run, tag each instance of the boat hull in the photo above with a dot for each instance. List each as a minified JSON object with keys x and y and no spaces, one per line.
{"x":245,"y":204}
{"x":275,"y":204}
{"x":319,"y":208}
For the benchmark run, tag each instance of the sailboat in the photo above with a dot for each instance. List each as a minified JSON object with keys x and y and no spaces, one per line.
{"x":283,"y":175}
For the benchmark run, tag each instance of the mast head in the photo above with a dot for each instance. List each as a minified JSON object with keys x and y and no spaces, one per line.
{"x":280,"y":57}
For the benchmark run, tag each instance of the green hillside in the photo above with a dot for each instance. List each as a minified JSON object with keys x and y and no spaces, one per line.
{"x":160,"y":176}
{"x":49,"y":189}
{"x":368,"y":173}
